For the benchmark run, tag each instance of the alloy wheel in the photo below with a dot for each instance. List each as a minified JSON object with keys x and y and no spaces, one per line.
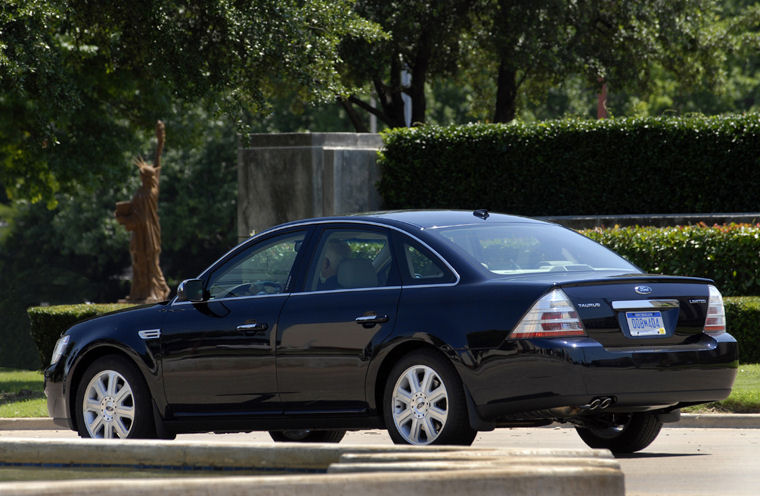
{"x":108,"y":406}
{"x":420,"y":404}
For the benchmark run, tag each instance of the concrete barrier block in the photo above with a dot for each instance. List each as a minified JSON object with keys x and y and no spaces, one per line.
{"x":547,"y":481}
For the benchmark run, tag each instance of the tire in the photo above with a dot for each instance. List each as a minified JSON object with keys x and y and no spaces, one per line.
{"x":424,"y":402}
{"x":113,"y":401}
{"x":636,"y":433}
{"x":307,"y":436}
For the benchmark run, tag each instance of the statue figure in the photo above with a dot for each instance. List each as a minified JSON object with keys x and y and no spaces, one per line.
{"x":141,"y":217}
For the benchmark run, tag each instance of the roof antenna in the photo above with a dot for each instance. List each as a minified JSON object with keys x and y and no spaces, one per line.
{"x":481,"y":213}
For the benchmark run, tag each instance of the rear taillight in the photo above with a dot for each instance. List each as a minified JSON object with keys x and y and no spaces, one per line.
{"x":715,"y":323}
{"x":551,"y":316}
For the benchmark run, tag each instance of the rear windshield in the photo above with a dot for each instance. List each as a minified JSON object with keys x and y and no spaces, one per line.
{"x":532,"y":248}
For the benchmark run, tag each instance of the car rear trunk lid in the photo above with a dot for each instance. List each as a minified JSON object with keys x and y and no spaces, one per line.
{"x":641,"y":311}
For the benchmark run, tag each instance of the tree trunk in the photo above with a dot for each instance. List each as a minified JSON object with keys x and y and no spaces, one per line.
{"x":506,"y":92}
{"x":390,"y":96}
{"x":354,"y":117}
{"x":419,"y":76}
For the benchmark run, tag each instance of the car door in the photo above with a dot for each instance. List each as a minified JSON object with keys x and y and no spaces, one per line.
{"x":327,"y":331}
{"x":218,"y":355}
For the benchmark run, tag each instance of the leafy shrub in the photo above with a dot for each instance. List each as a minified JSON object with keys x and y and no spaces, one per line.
{"x":728,"y":254}
{"x":743,"y":322}
{"x":48,"y":323}
{"x":574,"y":167}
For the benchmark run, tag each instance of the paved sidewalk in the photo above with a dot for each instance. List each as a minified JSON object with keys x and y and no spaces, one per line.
{"x":691,"y":420}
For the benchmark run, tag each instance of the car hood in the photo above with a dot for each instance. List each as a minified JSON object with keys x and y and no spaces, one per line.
{"x":111,"y":321}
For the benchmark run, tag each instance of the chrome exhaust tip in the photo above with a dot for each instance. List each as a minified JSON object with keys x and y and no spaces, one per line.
{"x":593,"y":405}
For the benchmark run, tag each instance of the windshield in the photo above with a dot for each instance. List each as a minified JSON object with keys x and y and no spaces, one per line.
{"x":533,"y":248}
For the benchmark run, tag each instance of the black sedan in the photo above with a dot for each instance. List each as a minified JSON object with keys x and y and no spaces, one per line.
{"x":431,"y":324}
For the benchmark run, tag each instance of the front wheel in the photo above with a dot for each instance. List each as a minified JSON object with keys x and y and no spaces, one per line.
{"x":307,"y":436}
{"x":625,"y":434}
{"x":113,"y":401}
{"x":424,"y":402}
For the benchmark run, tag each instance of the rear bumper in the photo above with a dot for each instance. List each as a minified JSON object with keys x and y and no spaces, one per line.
{"x":530,"y":375}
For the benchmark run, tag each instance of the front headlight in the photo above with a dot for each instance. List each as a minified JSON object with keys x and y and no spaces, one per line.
{"x":60,"y":347}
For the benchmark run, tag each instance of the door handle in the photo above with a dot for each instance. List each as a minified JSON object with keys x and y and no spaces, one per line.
{"x":370,"y":320}
{"x":253,"y":328}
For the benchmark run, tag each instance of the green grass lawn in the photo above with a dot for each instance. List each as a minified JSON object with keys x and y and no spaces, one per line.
{"x":21,"y":394}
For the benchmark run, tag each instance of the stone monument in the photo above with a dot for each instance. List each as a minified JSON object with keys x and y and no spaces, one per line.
{"x":140,"y":215}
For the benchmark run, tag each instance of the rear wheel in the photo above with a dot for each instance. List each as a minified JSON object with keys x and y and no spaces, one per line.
{"x":113,"y":401}
{"x":307,"y":436}
{"x":424,"y":402}
{"x":626,"y":434}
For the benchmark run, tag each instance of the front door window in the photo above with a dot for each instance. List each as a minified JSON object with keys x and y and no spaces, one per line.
{"x":262,"y":270}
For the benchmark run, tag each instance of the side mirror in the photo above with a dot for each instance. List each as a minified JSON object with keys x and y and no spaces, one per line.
{"x":190,"y":290}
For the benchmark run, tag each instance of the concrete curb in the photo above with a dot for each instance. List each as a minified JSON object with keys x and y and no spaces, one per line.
{"x":28,"y":424}
{"x":560,"y":481}
{"x":228,"y":455}
{"x":688,"y":420}
{"x":707,"y":421}
{"x":718,"y":421}
{"x":369,"y":470}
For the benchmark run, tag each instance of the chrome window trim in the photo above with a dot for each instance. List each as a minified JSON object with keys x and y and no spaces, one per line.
{"x":642,"y":304}
{"x":352,"y":290}
{"x":432,"y":285}
{"x":274,"y":230}
{"x":213,"y":300}
{"x":394,"y":228}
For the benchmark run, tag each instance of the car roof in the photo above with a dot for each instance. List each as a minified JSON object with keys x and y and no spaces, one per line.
{"x":427,"y":219}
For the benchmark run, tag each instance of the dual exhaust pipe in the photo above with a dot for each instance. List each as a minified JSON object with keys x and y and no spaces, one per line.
{"x":595,"y":405}
{"x":599,"y":403}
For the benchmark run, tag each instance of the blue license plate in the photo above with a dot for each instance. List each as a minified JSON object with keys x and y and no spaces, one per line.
{"x":645,"y":323}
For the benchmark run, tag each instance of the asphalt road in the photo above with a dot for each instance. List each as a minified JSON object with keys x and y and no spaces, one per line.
{"x":681,"y":461}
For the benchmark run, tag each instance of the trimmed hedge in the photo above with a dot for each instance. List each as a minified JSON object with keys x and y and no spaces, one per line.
{"x":743,"y":322}
{"x":574,"y":167}
{"x":728,"y":254}
{"x":48,"y":323}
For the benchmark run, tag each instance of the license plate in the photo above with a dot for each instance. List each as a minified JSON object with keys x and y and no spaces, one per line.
{"x":645,"y":323}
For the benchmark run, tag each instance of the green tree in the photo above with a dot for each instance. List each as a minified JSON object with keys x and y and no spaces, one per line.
{"x":77,"y":252}
{"x":620,"y":42}
{"x":78,"y":78}
{"x":504,"y":52}
{"x":733,"y":87}
{"x":424,"y":42}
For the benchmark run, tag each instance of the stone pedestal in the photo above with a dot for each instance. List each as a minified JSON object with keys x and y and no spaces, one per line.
{"x":284,"y":177}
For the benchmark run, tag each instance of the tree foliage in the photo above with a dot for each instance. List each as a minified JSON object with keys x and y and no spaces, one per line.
{"x":423,"y":42}
{"x":78,"y":78}
{"x":77,"y":252}
{"x":619,"y":42}
{"x":502,"y":51}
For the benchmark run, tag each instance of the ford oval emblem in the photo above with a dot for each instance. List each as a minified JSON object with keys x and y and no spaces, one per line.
{"x":643,"y":290}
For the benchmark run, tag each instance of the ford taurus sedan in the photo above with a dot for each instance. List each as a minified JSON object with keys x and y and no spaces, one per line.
{"x":431,"y":324}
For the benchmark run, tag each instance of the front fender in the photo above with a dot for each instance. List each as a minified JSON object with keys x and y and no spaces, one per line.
{"x":111,"y":334}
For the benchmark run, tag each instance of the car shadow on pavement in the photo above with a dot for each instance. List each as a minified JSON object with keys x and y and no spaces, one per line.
{"x":656,"y":455}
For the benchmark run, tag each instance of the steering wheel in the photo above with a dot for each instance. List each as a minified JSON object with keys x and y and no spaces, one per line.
{"x":255,"y":288}
{"x":239,"y":290}
{"x":267,"y":287}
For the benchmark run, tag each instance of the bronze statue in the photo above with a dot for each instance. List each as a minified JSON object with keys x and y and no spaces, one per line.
{"x":141,"y":217}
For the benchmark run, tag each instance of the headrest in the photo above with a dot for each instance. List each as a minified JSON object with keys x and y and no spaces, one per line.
{"x":356,"y":273}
